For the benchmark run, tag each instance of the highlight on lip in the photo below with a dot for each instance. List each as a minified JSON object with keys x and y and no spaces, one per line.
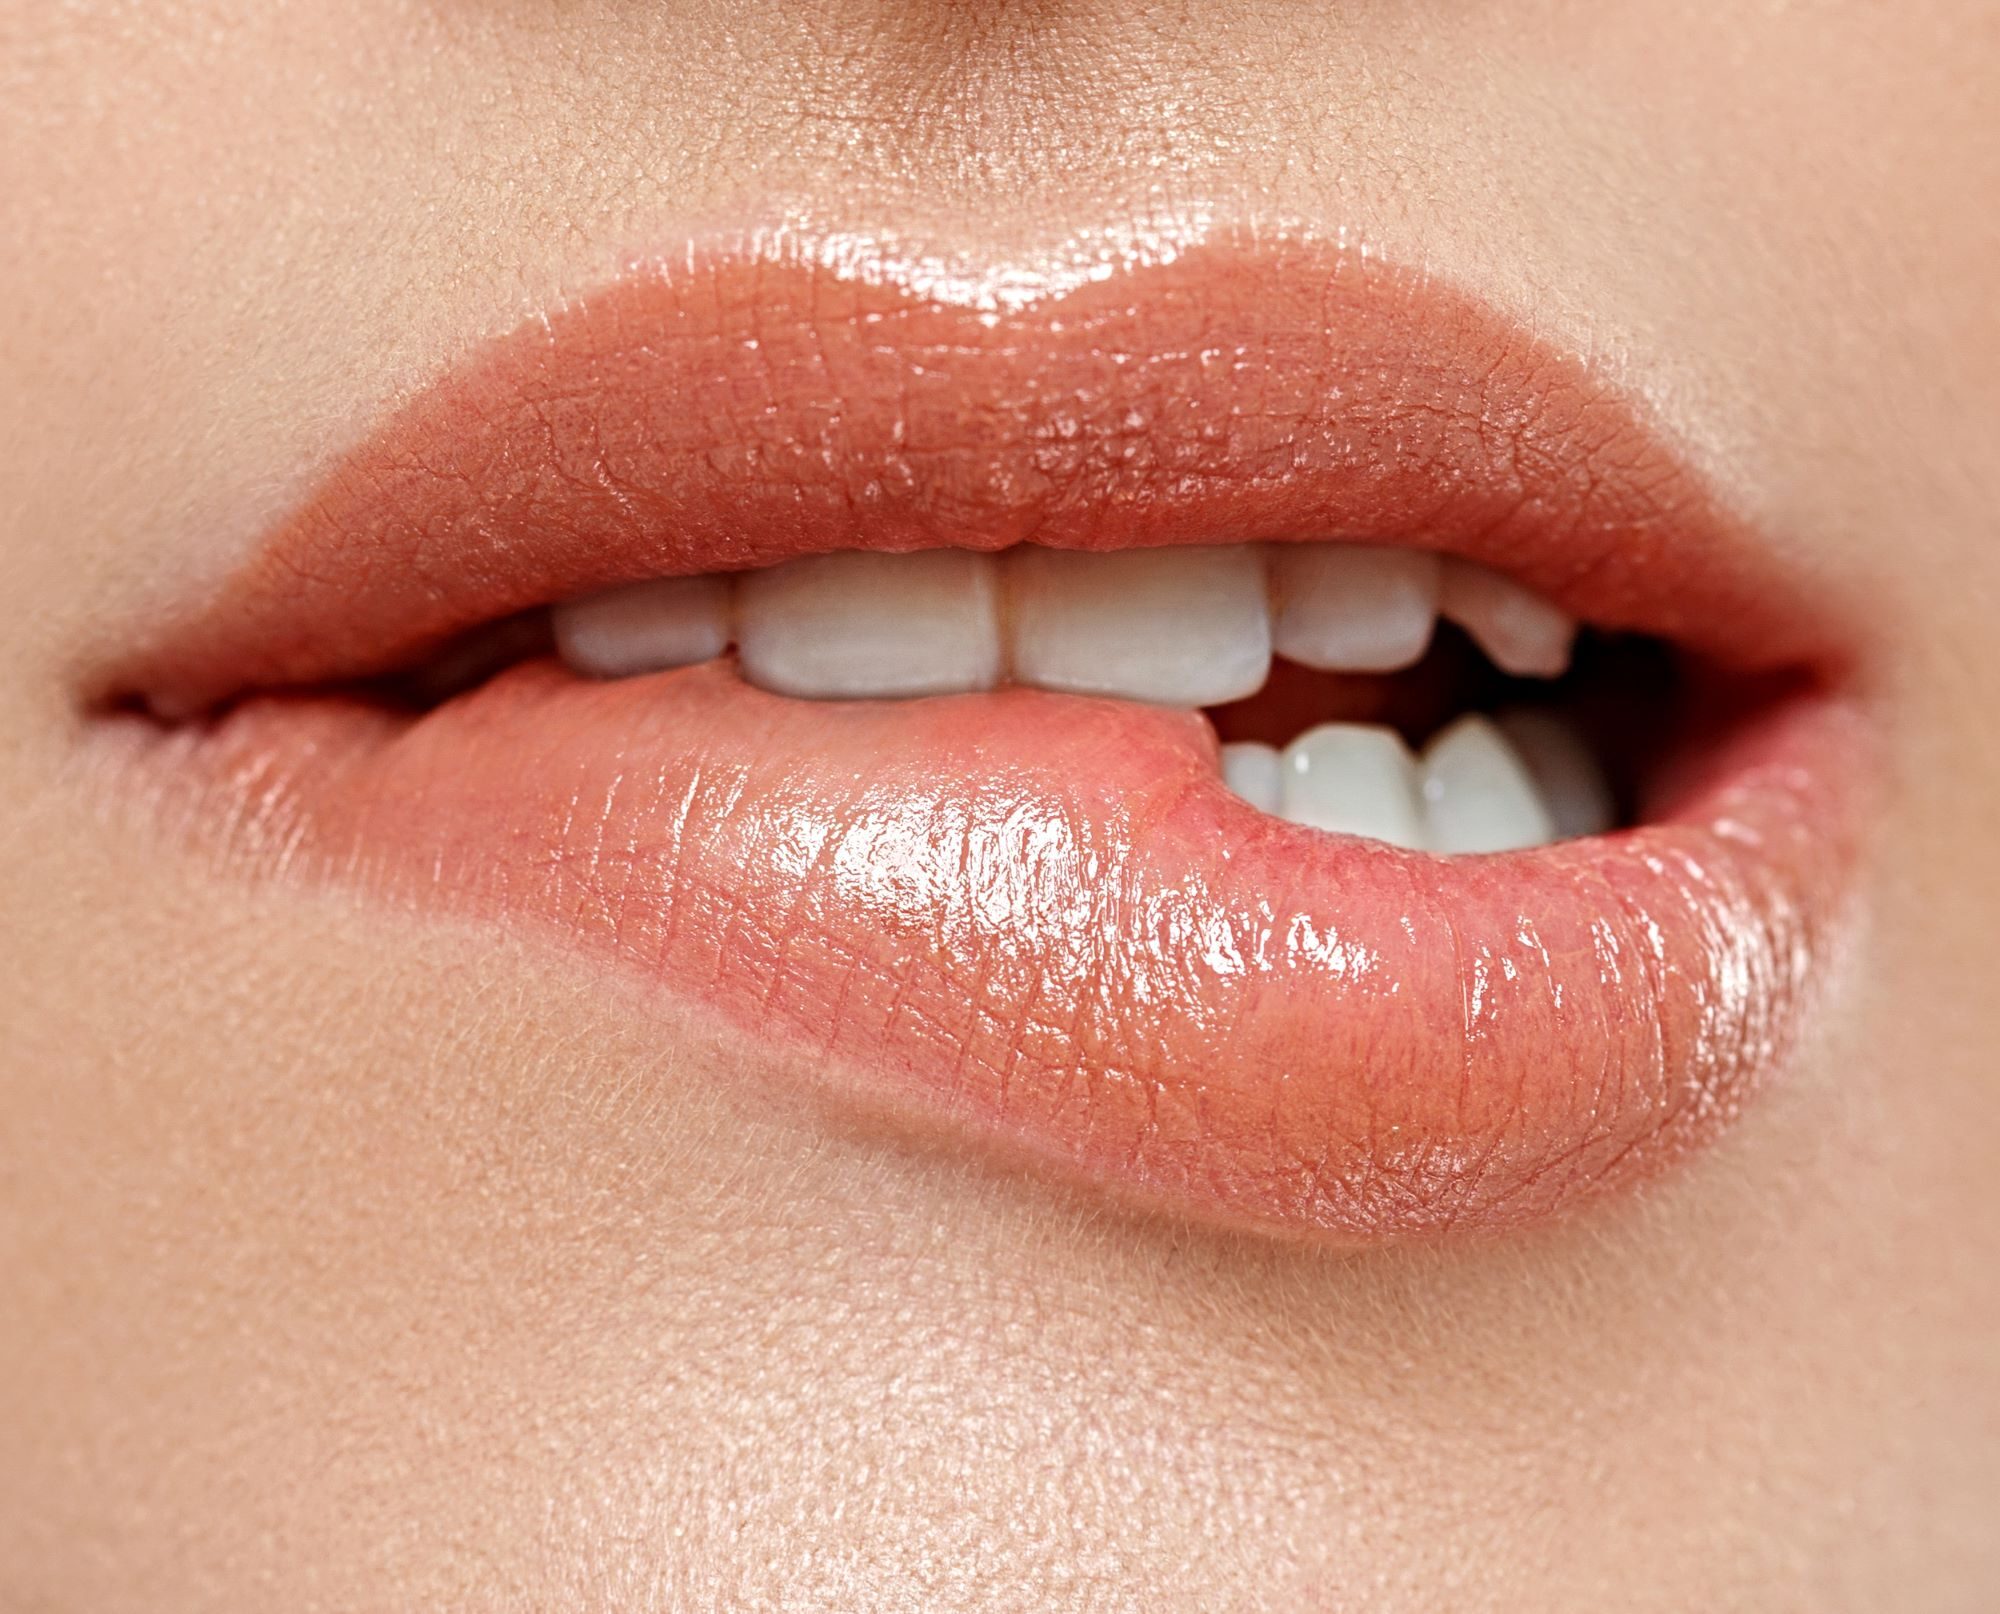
{"x":1168,"y":731}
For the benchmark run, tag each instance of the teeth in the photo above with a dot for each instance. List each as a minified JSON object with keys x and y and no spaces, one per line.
{"x":1560,"y":762}
{"x":1191,"y":626}
{"x":1353,"y":607}
{"x":1255,"y":772}
{"x":860,"y":625}
{"x":1353,"y":779}
{"x":1177,"y":627}
{"x":1520,"y":631}
{"x":1478,"y":796}
{"x":669,"y":622}
{"x":1470,"y":792}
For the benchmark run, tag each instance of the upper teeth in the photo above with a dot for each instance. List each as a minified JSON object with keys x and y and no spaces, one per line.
{"x":1521,"y":631}
{"x":1179,"y":627}
{"x":1189,"y":626}
{"x":670,"y":622}
{"x":1353,"y":607}
{"x":1193,"y":626}
{"x":855,"y":625}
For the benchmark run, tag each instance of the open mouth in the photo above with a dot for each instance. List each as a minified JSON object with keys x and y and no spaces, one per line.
{"x":1256,"y":730}
{"x":1337,"y":702}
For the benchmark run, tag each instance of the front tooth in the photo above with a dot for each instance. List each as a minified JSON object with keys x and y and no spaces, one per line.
{"x":857,"y":625}
{"x":1520,"y":631}
{"x":1255,"y":772}
{"x":1478,"y":796}
{"x":1353,"y":607}
{"x":1564,"y":769}
{"x":668,"y":622}
{"x":1353,"y":779}
{"x":1186,"y":626}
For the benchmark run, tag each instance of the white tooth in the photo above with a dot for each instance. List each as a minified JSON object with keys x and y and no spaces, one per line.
{"x":1564,"y":769}
{"x":668,"y":622}
{"x":1520,"y":631}
{"x":1179,"y":627}
{"x":1353,"y":779}
{"x":1254,"y":772}
{"x":1477,"y":794}
{"x":1352,"y":607}
{"x":857,"y":625}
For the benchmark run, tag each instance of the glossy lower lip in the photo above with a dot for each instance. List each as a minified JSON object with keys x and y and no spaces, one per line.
{"x":1037,"y":918}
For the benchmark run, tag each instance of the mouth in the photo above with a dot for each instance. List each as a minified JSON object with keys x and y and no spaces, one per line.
{"x":1257,"y":732}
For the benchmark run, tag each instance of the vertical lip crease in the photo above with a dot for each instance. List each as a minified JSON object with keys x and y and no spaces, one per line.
{"x":1037,"y":923}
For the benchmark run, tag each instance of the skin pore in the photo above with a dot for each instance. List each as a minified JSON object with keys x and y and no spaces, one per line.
{"x":357,"y":1261}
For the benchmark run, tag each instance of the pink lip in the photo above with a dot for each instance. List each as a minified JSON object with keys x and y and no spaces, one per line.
{"x":1041,"y":919}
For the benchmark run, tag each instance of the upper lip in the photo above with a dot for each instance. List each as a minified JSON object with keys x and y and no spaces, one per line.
{"x":697,"y":419}
{"x":1305,"y":1033}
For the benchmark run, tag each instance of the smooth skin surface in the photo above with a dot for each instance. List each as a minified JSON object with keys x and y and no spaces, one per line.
{"x":354,"y":1262}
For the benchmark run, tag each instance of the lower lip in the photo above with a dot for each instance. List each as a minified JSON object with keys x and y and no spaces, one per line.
{"x":1043,"y":918}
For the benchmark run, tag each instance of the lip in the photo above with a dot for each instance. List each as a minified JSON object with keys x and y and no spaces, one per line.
{"x":1040,"y":921}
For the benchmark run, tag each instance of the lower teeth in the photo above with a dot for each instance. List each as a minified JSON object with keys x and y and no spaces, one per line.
{"x":1473,"y":789}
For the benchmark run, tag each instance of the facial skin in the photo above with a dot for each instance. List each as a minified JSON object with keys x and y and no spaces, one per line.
{"x":354,"y":1261}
